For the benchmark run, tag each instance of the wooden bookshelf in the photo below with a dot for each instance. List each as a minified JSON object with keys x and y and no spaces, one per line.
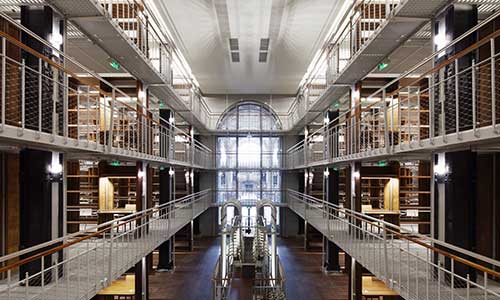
{"x":415,"y":194}
{"x":82,"y":194}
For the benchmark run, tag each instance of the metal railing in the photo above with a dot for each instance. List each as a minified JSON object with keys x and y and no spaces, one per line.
{"x":144,"y":30}
{"x":79,"y":265}
{"x":249,"y":160}
{"x":454,"y":102}
{"x":259,"y":251}
{"x":414,"y":265}
{"x":360,"y":24}
{"x":271,"y":288}
{"x":43,"y":101}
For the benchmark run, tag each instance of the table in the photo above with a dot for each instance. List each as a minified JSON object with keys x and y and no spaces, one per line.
{"x":123,"y":287}
{"x":374,"y":288}
{"x":104,"y":216}
{"x":390,"y":216}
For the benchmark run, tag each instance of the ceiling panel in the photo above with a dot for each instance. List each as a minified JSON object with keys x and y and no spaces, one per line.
{"x":295,"y":29}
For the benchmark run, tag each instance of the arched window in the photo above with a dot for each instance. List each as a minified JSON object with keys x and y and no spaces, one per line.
{"x":249,"y":116}
{"x":249,"y":155}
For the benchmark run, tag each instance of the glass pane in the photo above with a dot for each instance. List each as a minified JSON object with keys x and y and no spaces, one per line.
{"x":226,"y":152}
{"x":271,"y":186}
{"x":226,"y":186}
{"x":249,"y":117}
{"x":271,"y":152}
{"x":249,"y":185}
{"x":249,"y":152}
{"x":269,"y":122}
{"x":229,"y":214}
{"x":228,"y":122}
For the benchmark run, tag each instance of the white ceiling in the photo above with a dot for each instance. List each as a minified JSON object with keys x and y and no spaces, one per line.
{"x":202,"y":29}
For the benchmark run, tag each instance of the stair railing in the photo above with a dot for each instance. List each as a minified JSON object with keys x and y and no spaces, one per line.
{"x":415,"y":266}
{"x":79,"y":265}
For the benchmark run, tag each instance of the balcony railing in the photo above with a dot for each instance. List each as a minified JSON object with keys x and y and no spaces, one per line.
{"x":79,"y":265}
{"x":361,"y":23}
{"x":144,"y":30}
{"x":44,"y":102}
{"x":415,"y":266}
{"x":454,"y":102}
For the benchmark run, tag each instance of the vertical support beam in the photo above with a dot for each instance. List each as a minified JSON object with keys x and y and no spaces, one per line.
{"x":332,"y":194}
{"x":142,"y":279}
{"x":40,"y":205}
{"x":355,"y":272}
{"x":165,"y":260}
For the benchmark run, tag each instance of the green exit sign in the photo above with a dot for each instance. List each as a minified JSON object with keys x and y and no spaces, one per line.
{"x":383,"y":65}
{"x":382,"y":163}
{"x":114,"y":64}
{"x":115,"y":163}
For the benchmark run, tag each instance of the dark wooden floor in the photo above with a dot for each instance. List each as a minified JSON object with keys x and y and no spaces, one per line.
{"x":304,"y":279}
{"x":192,"y":277}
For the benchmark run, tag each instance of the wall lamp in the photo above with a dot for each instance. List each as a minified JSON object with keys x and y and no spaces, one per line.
{"x":54,"y":172}
{"x":441,"y":172}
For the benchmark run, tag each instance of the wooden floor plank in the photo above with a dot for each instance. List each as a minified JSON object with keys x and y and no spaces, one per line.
{"x":192,"y":277}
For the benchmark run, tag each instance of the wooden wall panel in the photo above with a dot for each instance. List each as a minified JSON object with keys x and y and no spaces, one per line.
{"x":13,"y":212}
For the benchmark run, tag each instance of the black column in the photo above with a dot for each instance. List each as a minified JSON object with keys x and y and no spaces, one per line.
{"x":36,"y":206}
{"x":332,"y":195}
{"x":460,"y":206}
{"x":196,"y":189}
{"x":301,"y":189}
{"x":355,"y":284}
{"x":44,"y":22}
{"x":142,"y":278}
{"x":331,"y":182}
{"x":165,"y":254}
{"x":449,"y":25}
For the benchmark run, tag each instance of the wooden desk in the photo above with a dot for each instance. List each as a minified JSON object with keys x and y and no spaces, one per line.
{"x":374,"y":288}
{"x":104,"y":216}
{"x":390,"y":216}
{"x":124,"y":287}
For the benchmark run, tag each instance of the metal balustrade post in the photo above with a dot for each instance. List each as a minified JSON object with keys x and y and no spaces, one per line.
{"x":9,"y":283}
{"x":386,"y":122}
{"x":474,"y":125}
{"x":65,"y":108}
{"x":111,"y":120}
{"x":42,"y":271}
{"x":77,"y":117}
{"x":485,"y":277}
{"x":27,"y":285}
{"x":55,"y":87}
{"x":457,"y":111}
{"x":110,"y":260}
{"x":468,"y":287}
{"x":409,"y":118}
{"x":23,"y":96}
{"x":431,"y":110}
{"x":386,"y":255}
{"x":418,"y":117}
{"x":493,"y":86}
{"x":4,"y":79}
{"x":452,"y":278}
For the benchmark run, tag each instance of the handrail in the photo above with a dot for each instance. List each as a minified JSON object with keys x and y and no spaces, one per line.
{"x":396,"y":230}
{"x":99,"y":229}
{"x":419,"y":65}
{"x":338,"y":35}
{"x":145,"y":114}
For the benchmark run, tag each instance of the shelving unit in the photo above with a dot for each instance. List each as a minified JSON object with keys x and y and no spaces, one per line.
{"x":372,"y":191}
{"x":415,"y":194}
{"x":82,"y":194}
{"x":124,"y":190}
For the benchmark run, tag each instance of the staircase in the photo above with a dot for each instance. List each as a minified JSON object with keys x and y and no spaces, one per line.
{"x":415,"y":266}
{"x":79,"y":265}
